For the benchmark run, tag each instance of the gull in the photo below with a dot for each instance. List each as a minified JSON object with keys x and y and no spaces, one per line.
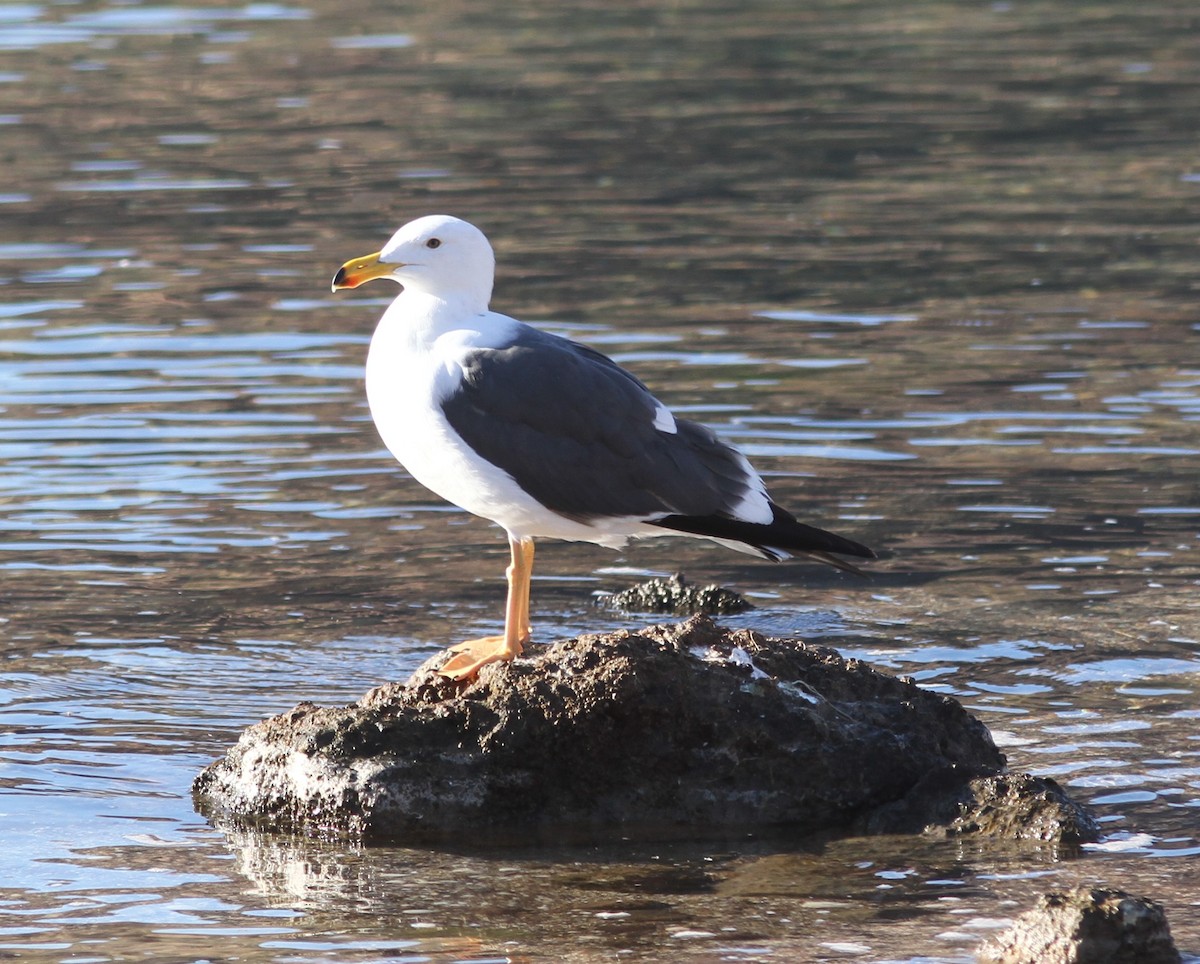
{"x":547,"y":438}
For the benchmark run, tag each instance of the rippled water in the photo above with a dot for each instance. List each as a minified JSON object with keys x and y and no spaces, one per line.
{"x":932,"y":266}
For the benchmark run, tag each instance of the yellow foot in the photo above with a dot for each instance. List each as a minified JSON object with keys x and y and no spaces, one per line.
{"x":471,"y":656}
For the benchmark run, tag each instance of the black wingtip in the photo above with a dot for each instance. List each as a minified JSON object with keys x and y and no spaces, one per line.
{"x":842,"y":564}
{"x":784,"y":535}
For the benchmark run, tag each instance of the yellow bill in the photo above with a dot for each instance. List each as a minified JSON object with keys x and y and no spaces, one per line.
{"x":361,"y":270}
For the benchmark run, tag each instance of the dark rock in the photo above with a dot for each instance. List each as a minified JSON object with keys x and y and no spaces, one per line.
{"x":675,"y":596}
{"x":675,"y":731}
{"x":1087,"y":925}
{"x":1015,"y":806}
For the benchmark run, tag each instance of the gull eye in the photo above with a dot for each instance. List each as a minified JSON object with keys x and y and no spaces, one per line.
{"x":433,"y":243}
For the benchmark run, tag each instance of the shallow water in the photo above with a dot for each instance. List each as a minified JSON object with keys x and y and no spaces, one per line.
{"x":931,"y":266}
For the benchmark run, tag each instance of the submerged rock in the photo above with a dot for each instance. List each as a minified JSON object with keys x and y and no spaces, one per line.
{"x":674,"y":595}
{"x":1087,"y":925}
{"x":1014,"y":806}
{"x":674,"y":731}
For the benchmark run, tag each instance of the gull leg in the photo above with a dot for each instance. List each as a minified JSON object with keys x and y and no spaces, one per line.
{"x":470,"y":656}
{"x":526,"y":549}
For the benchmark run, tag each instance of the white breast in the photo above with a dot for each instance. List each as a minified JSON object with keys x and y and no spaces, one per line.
{"x":408,"y":375}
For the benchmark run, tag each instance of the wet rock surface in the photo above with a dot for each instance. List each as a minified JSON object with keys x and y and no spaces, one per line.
{"x":674,"y":595}
{"x":1087,"y":925}
{"x":1013,"y":806}
{"x":671,"y":732}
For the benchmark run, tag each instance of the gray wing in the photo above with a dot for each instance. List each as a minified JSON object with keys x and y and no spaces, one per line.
{"x":577,"y":432}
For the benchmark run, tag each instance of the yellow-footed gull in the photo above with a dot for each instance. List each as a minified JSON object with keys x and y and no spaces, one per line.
{"x":545,"y":437}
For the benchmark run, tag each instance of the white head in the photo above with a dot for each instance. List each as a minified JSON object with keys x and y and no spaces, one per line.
{"x":437,"y":255}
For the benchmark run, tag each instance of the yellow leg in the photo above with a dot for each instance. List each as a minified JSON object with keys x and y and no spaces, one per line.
{"x":470,"y":656}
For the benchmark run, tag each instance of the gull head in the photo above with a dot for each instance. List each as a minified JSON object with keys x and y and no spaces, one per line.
{"x":436,"y":255}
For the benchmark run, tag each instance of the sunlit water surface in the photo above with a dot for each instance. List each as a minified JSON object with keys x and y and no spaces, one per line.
{"x":932,"y":266}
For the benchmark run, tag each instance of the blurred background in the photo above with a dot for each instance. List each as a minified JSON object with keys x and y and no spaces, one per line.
{"x":932,"y":265}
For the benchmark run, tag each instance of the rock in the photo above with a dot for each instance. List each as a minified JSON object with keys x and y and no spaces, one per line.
{"x":675,"y":596}
{"x":671,"y":732}
{"x":1014,"y":806}
{"x":1087,"y":925}
{"x":1023,"y":807}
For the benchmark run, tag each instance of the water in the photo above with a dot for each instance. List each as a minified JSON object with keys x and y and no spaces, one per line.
{"x":932,"y":266}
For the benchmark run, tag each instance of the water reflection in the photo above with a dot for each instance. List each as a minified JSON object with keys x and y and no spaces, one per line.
{"x":620,"y":900}
{"x":933,"y":269}
{"x":26,"y":26}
